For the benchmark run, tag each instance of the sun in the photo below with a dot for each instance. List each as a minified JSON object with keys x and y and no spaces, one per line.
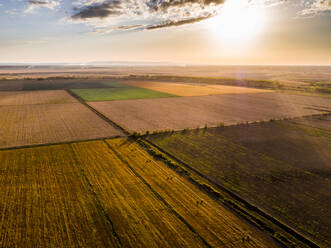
{"x":238,"y":22}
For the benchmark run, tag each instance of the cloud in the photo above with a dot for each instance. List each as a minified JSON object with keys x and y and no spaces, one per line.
{"x":86,"y":2}
{"x":109,"y":8}
{"x":178,"y":23}
{"x":316,"y":7}
{"x":1,"y":5}
{"x":34,"y":5}
{"x":123,"y":15}
{"x":162,"y":5}
{"x":140,"y":27}
{"x":102,"y":9}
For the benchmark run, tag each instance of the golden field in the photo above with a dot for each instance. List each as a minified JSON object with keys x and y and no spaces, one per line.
{"x":108,"y":194}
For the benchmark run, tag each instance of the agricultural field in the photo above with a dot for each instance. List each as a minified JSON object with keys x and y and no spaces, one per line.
{"x":9,"y":85}
{"x":193,"y":90}
{"x":301,"y":142}
{"x":192,"y":112}
{"x":320,"y":121}
{"x":8,"y":98}
{"x":58,"y":84}
{"x":282,"y":167}
{"x":118,"y":93}
{"x":108,"y":194}
{"x":45,"y":202}
{"x":24,"y":125}
{"x":67,"y":179}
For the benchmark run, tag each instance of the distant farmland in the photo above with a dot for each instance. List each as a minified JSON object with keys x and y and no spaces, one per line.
{"x":35,"y":97}
{"x":192,"y":112}
{"x":281,"y":167}
{"x":58,"y":83}
{"x":118,"y":93}
{"x":193,"y":90}
{"x":108,"y":194}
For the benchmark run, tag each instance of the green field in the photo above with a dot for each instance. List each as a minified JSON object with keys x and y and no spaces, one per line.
{"x":116,"y":84}
{"x":119,"y":93}
{"x":282,"y":167}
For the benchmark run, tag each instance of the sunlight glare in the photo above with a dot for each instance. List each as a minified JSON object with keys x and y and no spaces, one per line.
{"x":238,"y":22}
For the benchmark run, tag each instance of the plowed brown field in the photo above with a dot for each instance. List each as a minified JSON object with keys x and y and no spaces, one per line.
{"x":193,"y":90}
{"x":50,"y":123}
{"x":191,"y":112}
{"x":35,"y":97}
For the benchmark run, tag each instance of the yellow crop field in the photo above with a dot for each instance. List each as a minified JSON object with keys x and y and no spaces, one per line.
{"x":140,"y":219}
{"x":108,"y":194}
{"x":194,"y":90}
{"x":35,"y":97}
{"x":46,"y":203}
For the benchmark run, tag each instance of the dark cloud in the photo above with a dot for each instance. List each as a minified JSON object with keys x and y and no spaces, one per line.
{"x":178,"y":23}
{"x":128,"y":27}
{"x":38,"y":2}
{"x":164,"y":5}
{"x":108,"y":8}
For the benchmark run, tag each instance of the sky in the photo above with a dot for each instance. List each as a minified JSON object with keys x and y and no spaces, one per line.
{"x":224,"y":32}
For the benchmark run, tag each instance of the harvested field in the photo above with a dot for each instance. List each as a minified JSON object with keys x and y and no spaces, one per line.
{"x":35,"y":97}
{"x":96,"y":194}
{"x":192,"y":112}
{"x":193,"y":90}
{"x":119,"y":93}
{"x":50,"y":123}
{"x":281,"y":167}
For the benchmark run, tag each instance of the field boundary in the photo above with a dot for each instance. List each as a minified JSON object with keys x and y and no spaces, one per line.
{"x":221,"y":124}
{"x":242,"y":212}
{"x":57,"y":143}
{"x":102,"y":116}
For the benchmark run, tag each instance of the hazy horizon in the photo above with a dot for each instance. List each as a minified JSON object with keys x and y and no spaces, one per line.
{"x":151,"y":64}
